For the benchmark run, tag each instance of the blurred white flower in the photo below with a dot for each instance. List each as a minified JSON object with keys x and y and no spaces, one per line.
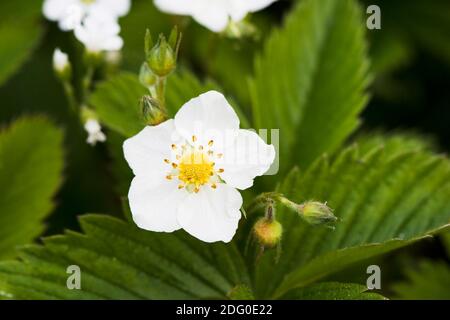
{"x":213,"y":14}
{"x":70,"y":13}
{"x":98,"y":32}
{"x":94,"y":131}
{"x":188,"y":169}
{"x":60,"y":61}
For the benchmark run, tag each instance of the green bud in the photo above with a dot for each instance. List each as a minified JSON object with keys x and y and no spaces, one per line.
{"x":151,"y":111}
{"x":162,"y":58}
{"x":175,"y":40}
{"x":146,"y":76}
{"x":148,"y":42}
{"x":268,"y":232}
{"x":316,"y":213}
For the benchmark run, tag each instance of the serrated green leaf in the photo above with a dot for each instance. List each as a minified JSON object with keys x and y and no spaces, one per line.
{"x":31,"y":162}
{"x":119,"y":261}
{"x":431,"y":280}
{"x":333,"y":291}
{"x":20,"y":31}
{"x":241,"y":292}
{"x":384,"y":199}
{"x":310,"y":80}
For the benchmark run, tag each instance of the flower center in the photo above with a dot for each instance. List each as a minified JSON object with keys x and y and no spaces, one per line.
{"x":88,"y":1}
{"x":194,"y":166}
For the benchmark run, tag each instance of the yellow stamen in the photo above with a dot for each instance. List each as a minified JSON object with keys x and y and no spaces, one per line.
{"x":195,"y":168}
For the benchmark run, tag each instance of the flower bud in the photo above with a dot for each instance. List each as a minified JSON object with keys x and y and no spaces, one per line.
{"x":146,"y":76}
{"x":61,"y":64}
{"x":268,"y":232}
{"x":151,"y":111}
{"x":162,"y":59}
{"x":316,"y":213}
{"x":92,"y":126}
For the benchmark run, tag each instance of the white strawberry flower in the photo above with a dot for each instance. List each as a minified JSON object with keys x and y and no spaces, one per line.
{"x":99,"y":32}
{"x":213,"y":14}
{"x":94,"y":130}
{"x":188,"y":169}
{"x":70,"y":13}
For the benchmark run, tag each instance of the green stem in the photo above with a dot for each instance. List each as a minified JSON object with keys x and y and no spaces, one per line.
{"x":87,"y":82}
{"x":70,"y":95}
{"x":161,"y":93}
{"x":261,"y":201}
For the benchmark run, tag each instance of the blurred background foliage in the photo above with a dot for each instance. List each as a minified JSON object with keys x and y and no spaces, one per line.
{"x":410,"y":66}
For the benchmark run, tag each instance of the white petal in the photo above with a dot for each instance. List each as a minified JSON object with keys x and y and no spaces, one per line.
{"x":154,"y":203}
{"x":181,"y":7}
{"x":212,"y":14}
{"x":212,"y":214}
{"x":114,"y":43}
{"x":208,"y":117}
{"x":55,"y":9}
{"x":248,"y":158}
{"x":146,"y":151}
{"x":72,"y":17}
{"x":237,"y":9}
{"x":117,"y":8}
{"x":214,"y":17}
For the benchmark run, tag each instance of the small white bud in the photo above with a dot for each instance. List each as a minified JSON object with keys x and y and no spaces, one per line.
{"x":94,"y":130}
{"x":60,"y":61}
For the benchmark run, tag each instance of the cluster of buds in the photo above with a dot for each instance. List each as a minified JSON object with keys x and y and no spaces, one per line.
{"x":160,"y":61}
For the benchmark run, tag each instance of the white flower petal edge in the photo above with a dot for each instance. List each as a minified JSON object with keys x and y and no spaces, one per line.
{"x":213,"y":14}
{"x":55,"y":10}
{"x":154,"y":203}
{"x":70,"y":13}
{"x":211,"y":215}
{"x":99,"y":32}
{"x":146,"y":151}
{"x":247,"y":158}
{"x":208,"y":117}
{"x":181,"y":170}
